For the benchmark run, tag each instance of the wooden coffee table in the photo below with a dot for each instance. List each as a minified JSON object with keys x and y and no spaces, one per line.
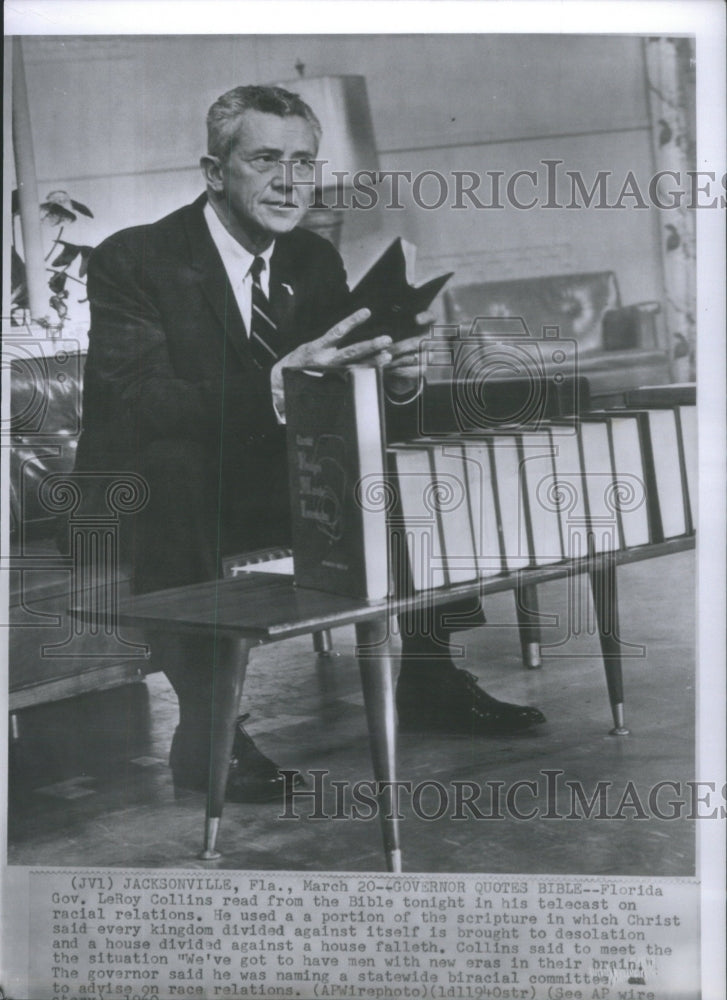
{"x":259,"y":607}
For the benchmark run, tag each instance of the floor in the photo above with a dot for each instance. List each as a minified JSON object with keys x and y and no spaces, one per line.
{"x":90,"y":786}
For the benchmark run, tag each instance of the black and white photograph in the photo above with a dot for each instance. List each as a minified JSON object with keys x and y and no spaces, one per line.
{"x":363,"y":501}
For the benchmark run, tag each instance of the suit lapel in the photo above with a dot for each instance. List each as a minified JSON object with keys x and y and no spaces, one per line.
{"x":208,"y":270}
{"x":283,"y":292}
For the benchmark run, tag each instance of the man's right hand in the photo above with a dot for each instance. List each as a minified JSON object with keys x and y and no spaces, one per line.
{"x":323,"y":353}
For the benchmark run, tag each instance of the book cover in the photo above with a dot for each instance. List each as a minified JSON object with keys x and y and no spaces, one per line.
{"x":538,"y":484}
{"x":598,"y":483}
{"x":483,"y":506}
{"x":337,"y":482}
{"x":513,"y":498}
{"x":418,"y":561}
{"x":570,"y":496}
{"x":512,"y":519}
{"x":680,"y":400}
{"x":453,"y":511}
{"x":394,"y":302}
{"x":688,"y":432}
{"x":664,"y":473}
{"x":668,"y":471}
{"x":630,"y":487}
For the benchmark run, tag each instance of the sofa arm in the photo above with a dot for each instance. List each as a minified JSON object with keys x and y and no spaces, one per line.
{"x":630,"y":327}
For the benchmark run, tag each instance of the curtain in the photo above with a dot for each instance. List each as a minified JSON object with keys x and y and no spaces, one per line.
{"x":670,"y":72}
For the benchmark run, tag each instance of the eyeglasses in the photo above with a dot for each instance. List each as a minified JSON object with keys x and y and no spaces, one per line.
{"x":266,"y":163}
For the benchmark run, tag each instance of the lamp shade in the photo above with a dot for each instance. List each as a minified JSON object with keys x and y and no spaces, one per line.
{"x":342,"y":106}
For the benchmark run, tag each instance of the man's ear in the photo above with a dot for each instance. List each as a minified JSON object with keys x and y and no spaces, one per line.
{"x":213,"y":173}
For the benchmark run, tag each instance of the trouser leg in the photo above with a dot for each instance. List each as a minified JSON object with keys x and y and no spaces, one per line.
{"x":172,"y":543}
{"x":434,"y":693}
{"x":427,"y":643}
{"x":188,"y":662}
{"x":200,"y":508}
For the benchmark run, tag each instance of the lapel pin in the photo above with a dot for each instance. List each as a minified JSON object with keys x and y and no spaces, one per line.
{"x":287,"y":288}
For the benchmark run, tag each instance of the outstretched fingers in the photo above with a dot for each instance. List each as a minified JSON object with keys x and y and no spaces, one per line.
{"x":344,"y":327}
{"x":372,"y":350}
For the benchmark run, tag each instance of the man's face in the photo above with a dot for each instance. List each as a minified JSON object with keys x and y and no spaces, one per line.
{"x":259,"y":198}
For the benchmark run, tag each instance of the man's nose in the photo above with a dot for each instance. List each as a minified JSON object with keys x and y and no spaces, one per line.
{"x":282,"y":180}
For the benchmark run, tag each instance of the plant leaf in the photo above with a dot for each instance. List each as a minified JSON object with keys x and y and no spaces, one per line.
{"x":59,"y":305}
{"x":665,"y":132}
{"x":17,"y":269}
{"x":19,"y":298}
{"x":56,"y":214}
{"x":83,"y":209}
{"x":57,"y":281}
{"x":67,"y":255}
{"x":673,"y":239}
{"x":17,"y":312}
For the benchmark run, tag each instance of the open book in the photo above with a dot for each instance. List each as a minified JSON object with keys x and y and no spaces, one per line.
{"x":387,"y":290}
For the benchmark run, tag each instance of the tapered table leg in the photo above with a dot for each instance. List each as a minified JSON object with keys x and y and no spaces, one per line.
{"x":229,"y":676}
{"x":602,"y":571}
{"x":322,"y":642}
{"x":375,"y":663}
{"x":528,"y":619}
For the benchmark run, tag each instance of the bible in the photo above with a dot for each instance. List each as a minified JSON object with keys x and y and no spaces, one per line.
{"x":337,"y":483}
{"x":394,"y":302}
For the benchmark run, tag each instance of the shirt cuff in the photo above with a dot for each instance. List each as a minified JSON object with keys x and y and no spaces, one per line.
{"x":278,"y":402}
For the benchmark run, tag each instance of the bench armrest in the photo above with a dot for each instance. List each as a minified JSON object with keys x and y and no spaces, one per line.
{"x":630,"y":327}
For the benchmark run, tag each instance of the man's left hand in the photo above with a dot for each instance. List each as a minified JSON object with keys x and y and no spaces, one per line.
{"x":407,"y":361}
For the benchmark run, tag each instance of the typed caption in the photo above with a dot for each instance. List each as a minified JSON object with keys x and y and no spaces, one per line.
{"x":158,"y":937}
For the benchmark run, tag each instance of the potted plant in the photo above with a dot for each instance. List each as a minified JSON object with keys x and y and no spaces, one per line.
{"x":58,"y":211}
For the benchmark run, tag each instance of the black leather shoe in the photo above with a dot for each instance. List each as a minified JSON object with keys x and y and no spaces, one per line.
{"x":452,"y":701}
{"x":252,"y":777}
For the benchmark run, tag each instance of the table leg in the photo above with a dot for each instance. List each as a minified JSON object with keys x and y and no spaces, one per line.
{"x":229,"y":676}
{"x":322,"y":642}
{"x":375,"y":663}
{"x":528,"y":619}
{"x":602,"y":572}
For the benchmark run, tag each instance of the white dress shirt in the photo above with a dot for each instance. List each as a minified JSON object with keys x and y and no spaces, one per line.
{"x":237,"y":261}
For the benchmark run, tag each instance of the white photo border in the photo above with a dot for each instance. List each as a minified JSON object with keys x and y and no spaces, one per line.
{"x":705,"y":19}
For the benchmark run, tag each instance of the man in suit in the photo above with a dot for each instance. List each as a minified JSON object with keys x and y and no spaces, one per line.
{"x":193,"y":319}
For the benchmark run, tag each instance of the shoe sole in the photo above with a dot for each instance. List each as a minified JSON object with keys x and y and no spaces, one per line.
{"x":433,"y":727}
{"x":275,"y":794}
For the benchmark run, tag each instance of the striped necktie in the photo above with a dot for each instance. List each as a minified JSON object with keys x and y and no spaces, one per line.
{"x":263,"y":330}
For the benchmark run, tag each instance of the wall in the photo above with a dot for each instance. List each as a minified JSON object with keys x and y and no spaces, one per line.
{"x":118,"y":122}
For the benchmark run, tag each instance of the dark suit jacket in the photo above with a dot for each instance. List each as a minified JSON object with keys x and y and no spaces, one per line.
{"x":169,"y":370}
